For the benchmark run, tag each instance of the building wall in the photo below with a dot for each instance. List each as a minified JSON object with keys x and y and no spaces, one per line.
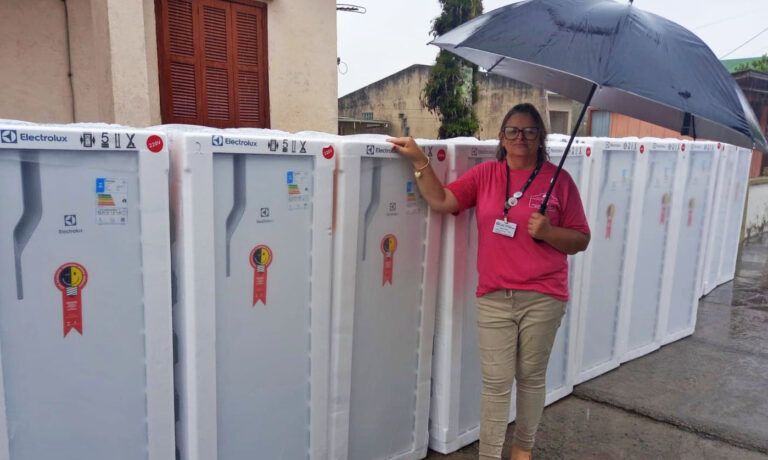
{"x":303,"y":80}
{"x":33,"y":83}
{"x":113,"y":49}
{"x":626,"y":126}
{"x":397,"y":99}
{"x":497,"y":95}
{"x":756,"y":218}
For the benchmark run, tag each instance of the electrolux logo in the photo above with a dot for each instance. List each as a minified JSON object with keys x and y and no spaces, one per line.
{"x":26,"y":137}
{"x":243,"y":142}
{"x":217,"y":141}
{"x":8,"y":136}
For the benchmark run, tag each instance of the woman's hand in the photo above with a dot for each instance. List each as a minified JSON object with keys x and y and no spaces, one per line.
{"x":566,"y":240}
{"x":408,"y":148}
{"x":539,"y":226}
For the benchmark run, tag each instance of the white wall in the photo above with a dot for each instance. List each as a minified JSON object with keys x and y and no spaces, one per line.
{"x":756,"y":220}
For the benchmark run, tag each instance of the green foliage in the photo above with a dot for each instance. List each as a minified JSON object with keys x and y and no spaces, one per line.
{"x":455,"y":13}
{"x":451,"y":90}
{"x":760,"y":64}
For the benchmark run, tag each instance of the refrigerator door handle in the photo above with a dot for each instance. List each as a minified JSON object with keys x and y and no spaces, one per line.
{"x":238,"y":203}
{"x":31,"y":216}
{"x":370,"y":211}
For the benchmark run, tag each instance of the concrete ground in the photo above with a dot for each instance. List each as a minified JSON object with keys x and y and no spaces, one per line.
{"x":702,"y":397}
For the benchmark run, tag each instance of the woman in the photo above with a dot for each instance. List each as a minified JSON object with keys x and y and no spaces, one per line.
{"x":523,"y":284}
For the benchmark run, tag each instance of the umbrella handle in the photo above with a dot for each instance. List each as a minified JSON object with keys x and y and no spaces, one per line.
{"x":543,"y":207}
{"x":543,"y":212}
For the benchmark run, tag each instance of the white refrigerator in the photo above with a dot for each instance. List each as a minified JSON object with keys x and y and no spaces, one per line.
{"x":85,"y":316}
{"x":650,"y":216}
{"x":454,"y":418}
{"x":562,"y":360}
{"x":386,"y":250}
{"x":690,"y":223}
{"x":252,"y":263}
{"x":612,"y":187}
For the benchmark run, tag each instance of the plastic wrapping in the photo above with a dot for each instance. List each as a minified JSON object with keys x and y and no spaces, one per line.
{"x":562,"y":361}
{"x":612,"y":188}
{"x":85,"y":332}
{"x":385,"y":282}
{"x":690,"y":222}
{"x":252,"y":259}
{"x":456,"y":379}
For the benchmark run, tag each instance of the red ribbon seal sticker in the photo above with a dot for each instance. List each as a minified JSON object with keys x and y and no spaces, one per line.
{"x":388,"y":248}
{"x":70,"y":279}
{"x":664,"y":208}
{"x":610,"y":212}
{"x":261,"y":258}
{"x":691,"y":205}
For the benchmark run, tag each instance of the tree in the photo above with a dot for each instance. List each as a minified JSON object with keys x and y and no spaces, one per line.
{"x":760,"y":64}
{"x":451,"y":90}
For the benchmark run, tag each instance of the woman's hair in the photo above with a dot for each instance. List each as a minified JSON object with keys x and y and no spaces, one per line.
{"x":529,"y":109}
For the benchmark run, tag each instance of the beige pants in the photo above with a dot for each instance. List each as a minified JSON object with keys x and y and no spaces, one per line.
{"x":516,"y":333}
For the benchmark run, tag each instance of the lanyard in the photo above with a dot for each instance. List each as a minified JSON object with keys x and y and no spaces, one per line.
{"x":512,"y":201}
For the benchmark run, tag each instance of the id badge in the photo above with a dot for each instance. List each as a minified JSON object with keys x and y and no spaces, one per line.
{"x":504,"y":228}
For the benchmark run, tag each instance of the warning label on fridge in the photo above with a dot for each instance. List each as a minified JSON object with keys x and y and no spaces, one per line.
{"x":299,"y":185}
{"x":111,"y":201}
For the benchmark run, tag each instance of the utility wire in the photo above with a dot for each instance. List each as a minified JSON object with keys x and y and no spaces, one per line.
{"x":739,"y":47}
{"x":722,"y":20}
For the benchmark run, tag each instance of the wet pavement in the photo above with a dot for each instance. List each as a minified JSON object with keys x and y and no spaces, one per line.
{"x":702,"y":397}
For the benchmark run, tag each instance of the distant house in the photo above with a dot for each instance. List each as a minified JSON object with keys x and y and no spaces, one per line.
{"x":224,"y":63}
{"x":754,"y":84}
{"x":394,"y":106}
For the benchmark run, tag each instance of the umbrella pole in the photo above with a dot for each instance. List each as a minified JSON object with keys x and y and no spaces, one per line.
{"x":543,"y":208}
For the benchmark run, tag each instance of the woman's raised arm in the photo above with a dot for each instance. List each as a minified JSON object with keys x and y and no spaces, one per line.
{"x":438,"y":197}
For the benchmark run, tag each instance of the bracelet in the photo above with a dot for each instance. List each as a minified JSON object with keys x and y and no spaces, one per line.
{"x":417,"y":173}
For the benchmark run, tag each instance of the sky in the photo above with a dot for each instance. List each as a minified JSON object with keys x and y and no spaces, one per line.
{"x":393,"y":34}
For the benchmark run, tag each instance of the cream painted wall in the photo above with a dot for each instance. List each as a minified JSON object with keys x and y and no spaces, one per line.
{"x":113,"y":59}
{"x":133,"y":65}
{"x":302,"y":65}
{"x":34,"y":85}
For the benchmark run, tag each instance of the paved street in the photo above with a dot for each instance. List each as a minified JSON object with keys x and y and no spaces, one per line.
{"x":703,"y":397}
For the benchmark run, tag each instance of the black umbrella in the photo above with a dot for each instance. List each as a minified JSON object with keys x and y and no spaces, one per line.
{"x":613,"y":56}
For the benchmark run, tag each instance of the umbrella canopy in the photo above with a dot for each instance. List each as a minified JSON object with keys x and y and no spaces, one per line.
{"x":616,"y":57}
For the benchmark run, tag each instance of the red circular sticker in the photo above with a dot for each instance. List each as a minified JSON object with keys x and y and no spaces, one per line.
{"x":642,"y":149}
{"x":155,"y":143}
{"x":683,"y":148}
{"x":328,"y":152}
{"x":589,"y":151}
{"x":441,"y":155}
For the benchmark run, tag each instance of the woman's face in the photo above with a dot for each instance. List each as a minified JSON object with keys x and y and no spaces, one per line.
{"x":520,"y":146}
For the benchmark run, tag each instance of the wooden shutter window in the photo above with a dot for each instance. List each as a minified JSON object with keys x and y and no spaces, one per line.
{"x":183,"y":90}
{"x":183,"y":101}
{"x":249,"y":28}
{"x":216,"y":31}
{"x":213,"y":62}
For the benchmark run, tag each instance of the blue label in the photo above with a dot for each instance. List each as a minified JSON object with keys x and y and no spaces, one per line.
{"x":409,"y":186}
{"x":100,"y":185}
{"x":290,"y":177}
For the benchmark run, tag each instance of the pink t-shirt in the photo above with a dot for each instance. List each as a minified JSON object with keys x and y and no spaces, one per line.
{"x":519,"y":262}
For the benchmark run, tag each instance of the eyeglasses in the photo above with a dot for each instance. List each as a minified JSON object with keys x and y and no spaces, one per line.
{"x":529,"y":134}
